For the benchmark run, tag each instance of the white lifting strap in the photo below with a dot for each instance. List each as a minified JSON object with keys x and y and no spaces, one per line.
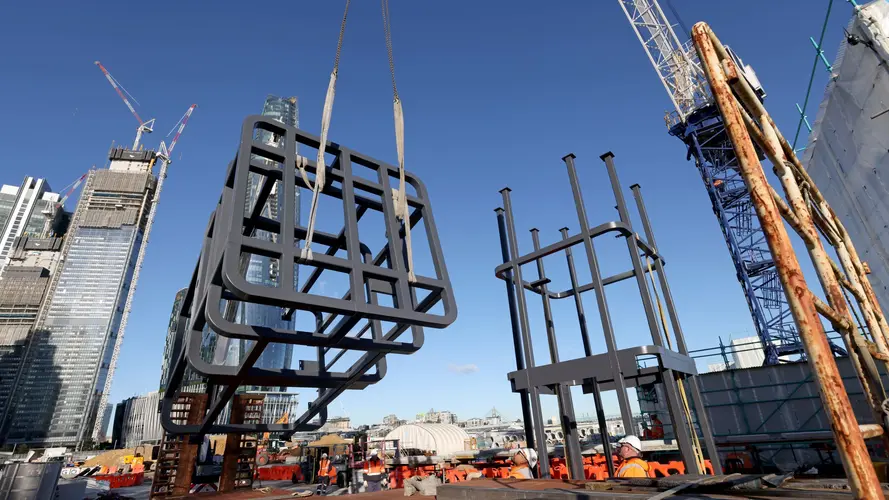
{"x":320,"y":167}
{"x":399,"y":197}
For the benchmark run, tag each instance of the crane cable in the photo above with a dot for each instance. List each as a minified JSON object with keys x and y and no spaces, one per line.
{"x":320,"y":168}
{"x":399,"y":196}
{"x":696,"y":444}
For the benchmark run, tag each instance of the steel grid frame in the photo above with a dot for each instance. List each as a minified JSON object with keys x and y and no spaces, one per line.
{"x":616,"y":369}
{"x":218,"y":283}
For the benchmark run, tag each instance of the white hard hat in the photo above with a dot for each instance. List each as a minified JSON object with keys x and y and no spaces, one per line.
{"x":324,"y":455}
{"x":530,"y":455}
{"x":373,"y":453}
{"x":632,"y":441}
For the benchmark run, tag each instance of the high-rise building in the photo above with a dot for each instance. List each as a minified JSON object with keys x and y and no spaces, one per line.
{"x":175,"y":335}
{"x":139,"y":421}
{"x":263,"y":270}
{"x":72,"y":352}
{"x":24,"y":211}
{"x":23,"y":286}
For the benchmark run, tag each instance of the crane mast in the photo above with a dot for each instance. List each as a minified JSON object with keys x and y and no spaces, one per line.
{"x":165,"y":156}
{"x":697,"y":122}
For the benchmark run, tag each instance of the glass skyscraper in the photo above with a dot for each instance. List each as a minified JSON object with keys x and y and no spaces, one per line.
{"x":71,"y":354}
{"x":263,"y":270}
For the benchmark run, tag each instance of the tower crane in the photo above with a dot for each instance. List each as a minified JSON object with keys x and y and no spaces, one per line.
{"x":146,"y":127}
{"x":697,"y":123}
{"x":165,"y":156}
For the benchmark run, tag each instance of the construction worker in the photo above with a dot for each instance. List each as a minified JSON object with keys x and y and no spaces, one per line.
{"x":630,"y":453}
{"x":326,"y":470}
{"x":523,"y":461}
{"x":374,"y":472}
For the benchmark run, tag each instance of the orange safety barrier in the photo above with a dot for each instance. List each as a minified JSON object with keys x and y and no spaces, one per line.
{"x":121,"y":480}
{"x":279,"y":472}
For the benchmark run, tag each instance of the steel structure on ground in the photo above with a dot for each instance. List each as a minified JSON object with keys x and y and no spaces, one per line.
{"x":616,"y":369}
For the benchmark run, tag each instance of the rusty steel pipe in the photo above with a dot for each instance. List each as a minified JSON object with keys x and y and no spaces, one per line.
{"x":800,"y":219}
{"x":863,"y":479}
{"x":748,"y":97}
{"x":835,"y":318}
{"x":870,"y":431}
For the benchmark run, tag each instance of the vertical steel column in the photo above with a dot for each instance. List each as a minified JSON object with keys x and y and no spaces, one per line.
{"x":563,"y":392}
{"x":578,"y":301}
{"x":862,"y":477}
{"x":588,"y":351}
{"x":528,"y":350}
{"x":516,"y":332}
{"x":697,"y":399}
{"x":603,"y":427}
{"x":677,"y":413}
{"x":596,"y":276}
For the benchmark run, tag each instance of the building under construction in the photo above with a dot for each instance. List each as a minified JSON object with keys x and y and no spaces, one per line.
{"x":72,"y":354}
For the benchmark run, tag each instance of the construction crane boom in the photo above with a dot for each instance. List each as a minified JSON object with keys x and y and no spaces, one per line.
{"x":165,"y":156}
{"x":50,"y":213}
{"x":697,"y":122}
{"x":676,"y":63}
{"x":122,"y":92}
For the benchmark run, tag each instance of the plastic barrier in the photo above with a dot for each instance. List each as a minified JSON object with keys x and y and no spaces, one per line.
{"x":121,"y":480}
{"x":279,"y":473}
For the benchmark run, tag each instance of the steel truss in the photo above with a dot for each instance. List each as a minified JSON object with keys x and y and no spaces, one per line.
{"x":342,"y":324}
{"x":616,"y":369}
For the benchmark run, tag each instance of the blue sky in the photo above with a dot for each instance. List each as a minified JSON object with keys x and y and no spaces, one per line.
{"x":495,"y":93}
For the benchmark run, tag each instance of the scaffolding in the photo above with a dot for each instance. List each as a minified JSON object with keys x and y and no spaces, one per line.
{"x":752,"y":132}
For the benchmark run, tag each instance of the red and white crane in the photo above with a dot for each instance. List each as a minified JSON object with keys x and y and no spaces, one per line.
{"x":165,"y":156}
{"x":122,"y":92}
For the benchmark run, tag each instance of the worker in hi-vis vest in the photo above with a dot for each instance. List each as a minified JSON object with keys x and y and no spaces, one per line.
{"x":630,"y":453}
{"x":374,"y":472}
{"x":523,"y":461}
{"x":326,"y":471}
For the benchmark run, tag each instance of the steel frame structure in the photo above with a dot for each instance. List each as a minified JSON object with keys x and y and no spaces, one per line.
{"x":616,"y":369}
{"x":341,"y":323}
{"x":751,"y":131}
{"x":698,"y":124}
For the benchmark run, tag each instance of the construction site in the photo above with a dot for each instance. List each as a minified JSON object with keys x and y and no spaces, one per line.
{"x":322,"y":269}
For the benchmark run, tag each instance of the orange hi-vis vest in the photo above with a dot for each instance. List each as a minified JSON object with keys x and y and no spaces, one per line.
{"x":374,"y":466}
{"x":325,"y":469}
{"x":634,"y":467}
{"x":520,"y":473}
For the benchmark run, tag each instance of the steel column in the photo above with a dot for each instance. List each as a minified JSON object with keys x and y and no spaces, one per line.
{"x":563,"y":392}
{"x":677,"y":413}
{"x":604,"y":315}
{"x":692,"y":382}
{"x":578,"y":302}
{"x":528,"y":348}
{"x":516,"y":331}
{"x":603,"y":427}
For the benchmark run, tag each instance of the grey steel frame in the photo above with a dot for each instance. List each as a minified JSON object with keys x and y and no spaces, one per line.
{"x":219,"y":283}
{"x":616,"y":369}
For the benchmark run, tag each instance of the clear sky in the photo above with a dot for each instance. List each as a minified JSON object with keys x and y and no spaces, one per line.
{"x":495,"y":93}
